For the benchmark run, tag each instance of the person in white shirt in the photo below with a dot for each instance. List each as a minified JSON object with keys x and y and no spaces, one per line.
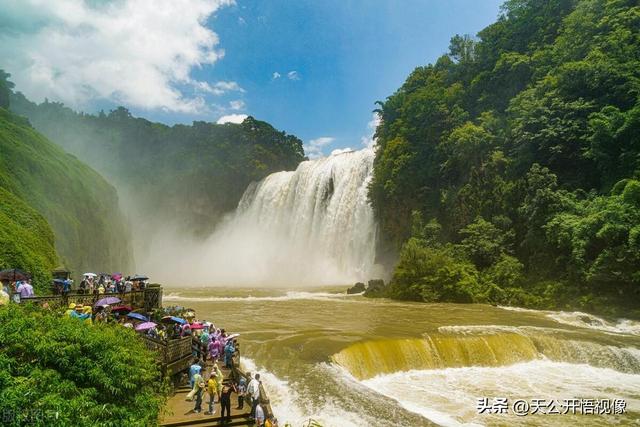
{"x":259,"y":416}
{"x":253,"y":390}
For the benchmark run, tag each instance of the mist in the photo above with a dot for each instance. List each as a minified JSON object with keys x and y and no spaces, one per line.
{"x":310,"y":227}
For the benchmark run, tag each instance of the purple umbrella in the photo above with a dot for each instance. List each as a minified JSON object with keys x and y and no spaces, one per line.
{"x":144,"y":326}
{"x":107,"y":301}
{"x":138,"y":316}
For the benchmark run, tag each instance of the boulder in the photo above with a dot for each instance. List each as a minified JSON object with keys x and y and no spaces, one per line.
{"x":358,"y":288}
{"x":375,"y":286}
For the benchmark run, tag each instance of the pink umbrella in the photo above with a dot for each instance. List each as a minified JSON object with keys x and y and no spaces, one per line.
{"x":145,"y":326}
{"x":197,"y":326}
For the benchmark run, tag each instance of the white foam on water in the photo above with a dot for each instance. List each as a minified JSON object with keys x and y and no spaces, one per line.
{"x":449,"y":396}
{"x":289,"y":296}
{"x":585,"y":320}
{"x":289,"y":407}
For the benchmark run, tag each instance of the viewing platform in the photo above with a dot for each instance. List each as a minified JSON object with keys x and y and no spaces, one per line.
{"x":173,"y":356}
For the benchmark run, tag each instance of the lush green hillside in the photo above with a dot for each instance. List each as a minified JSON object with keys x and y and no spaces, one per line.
{"x":38,"y":179}
{"x":27,"y":240}
{"x":183,"y":175}
{"x":507,"y":171}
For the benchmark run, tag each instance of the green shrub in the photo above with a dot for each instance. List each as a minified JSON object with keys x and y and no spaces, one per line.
{"x":56,"y":370}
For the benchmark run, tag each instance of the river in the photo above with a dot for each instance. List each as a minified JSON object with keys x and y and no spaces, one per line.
{"x":352,"y":361}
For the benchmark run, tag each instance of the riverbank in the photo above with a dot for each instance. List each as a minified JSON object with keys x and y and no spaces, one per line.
{"x":548,"y":295}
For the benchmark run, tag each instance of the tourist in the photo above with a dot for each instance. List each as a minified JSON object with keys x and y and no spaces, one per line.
{"x":66,"y":286}
{"x":193,"y":370}
{"x":70,"y":310}
{"x":214,"y":349}
{"x":253,"y":391}
{"x":186,"y":331}
{"x":25,"y":290}
{"x":259,"y":416}
{"x":204,"y":342}
{"x":225,"y":402}
{"x":212,"y":389}
{"x":198,"y":385}
{"x":88,"y":313}
{"x":242,"y":389}
{"x":102,"y":315}
{"x":78,"y":313}
{"x":229,"y":350}
{"x":101,"y":289}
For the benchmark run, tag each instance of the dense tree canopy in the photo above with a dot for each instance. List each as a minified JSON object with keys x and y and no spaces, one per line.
{"x":59,"y":371}
{"x":521,"y":145}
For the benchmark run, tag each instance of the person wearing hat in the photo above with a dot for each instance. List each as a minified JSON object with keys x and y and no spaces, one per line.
{"x":72,"y":307}
{"x":89,"y":312}
{"x":78,"y":313}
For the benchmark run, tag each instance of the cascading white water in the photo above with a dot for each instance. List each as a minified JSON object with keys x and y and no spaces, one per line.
{"x":312,"y":226}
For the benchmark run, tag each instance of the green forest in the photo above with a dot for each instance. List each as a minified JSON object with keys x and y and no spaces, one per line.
{"x":194,"y":173}
{"x":508,"y":171}
{"x":55,"y":210}
{"x":59,"y":371}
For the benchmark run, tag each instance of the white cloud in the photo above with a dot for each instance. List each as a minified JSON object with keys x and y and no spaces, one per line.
{"x":313,"y":148}
{"x":137,"y":52}
{"x":293,"y":75}
{"x":237,"y":104}
{"x":232,"y":118}
{"x":368,"y":140}
{"x":217,"y":88}
{"x":276,"y":75}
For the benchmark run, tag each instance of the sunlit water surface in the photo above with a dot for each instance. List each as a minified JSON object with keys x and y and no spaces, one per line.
{"x":352,"y":361}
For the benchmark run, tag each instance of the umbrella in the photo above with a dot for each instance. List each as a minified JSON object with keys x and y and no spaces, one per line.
{"x":59,"y":281}
{"x":144,"y":326}
{"x":108,"y":301}
{"x":13,"y":275}
{"x":138,"y":316}
{"x":138,"y":277}
{"x":174,"y":319}
{"x":197,"y":326}
{"x":120,"y":308}
{"x":232,"y":336}
{"x":90,"y":275}
{"x":116,"y":276}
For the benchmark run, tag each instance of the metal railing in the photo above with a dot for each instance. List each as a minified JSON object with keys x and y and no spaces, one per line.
{"x":149,"y":298}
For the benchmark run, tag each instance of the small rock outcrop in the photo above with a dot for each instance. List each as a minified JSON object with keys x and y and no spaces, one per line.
{"x":374,"y":287}
{"x":358,"y":288}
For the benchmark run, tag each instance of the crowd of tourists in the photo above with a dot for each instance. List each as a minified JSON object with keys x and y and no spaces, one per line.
{"x":211,"y":346}
{"x":103,"y":283}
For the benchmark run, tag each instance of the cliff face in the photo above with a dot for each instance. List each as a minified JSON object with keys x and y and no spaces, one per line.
{"x":39,"y":181}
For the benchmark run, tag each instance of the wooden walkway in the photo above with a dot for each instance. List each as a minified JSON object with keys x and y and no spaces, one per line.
{"x":179,"y":412}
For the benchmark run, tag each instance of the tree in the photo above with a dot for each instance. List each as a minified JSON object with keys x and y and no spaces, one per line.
{"x":55,"y":370}
{"x":5,"y":89}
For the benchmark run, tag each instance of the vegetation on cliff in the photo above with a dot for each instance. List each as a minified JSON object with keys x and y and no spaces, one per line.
{"x":507,"y":172}
{"x":58,"y":370}
{"x":51,"y":199}
{"x":189,"y":173}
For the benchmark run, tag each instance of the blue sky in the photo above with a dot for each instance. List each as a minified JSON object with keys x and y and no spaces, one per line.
{"x":311,"y":68}
{"x":347,"y":55}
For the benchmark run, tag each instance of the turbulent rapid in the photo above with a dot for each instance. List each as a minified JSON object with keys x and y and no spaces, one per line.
{"x":352,"y":361}
{"x":311,"y":226}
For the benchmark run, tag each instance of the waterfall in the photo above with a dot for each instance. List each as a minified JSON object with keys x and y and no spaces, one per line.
{"x":311,"y":226}
{"x":370,"y":358}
